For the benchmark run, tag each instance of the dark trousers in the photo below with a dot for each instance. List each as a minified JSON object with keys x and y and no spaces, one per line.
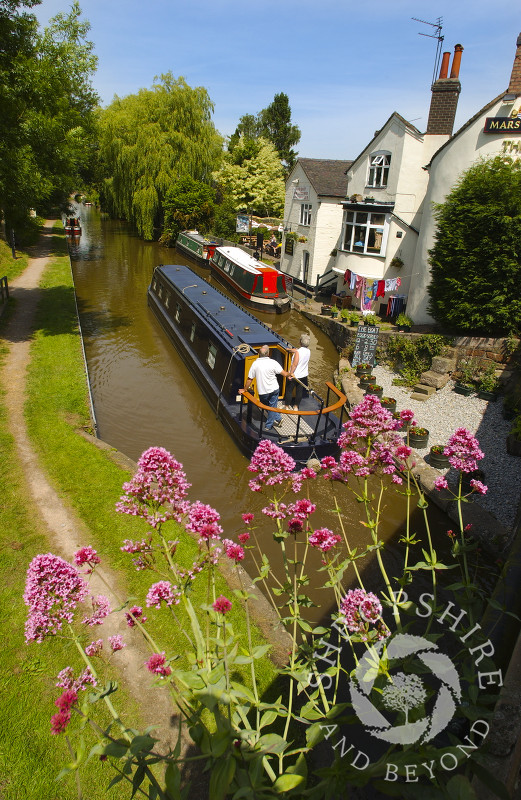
{"x":299,"y":391}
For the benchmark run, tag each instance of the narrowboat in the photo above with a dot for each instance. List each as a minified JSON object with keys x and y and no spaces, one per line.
{"x":257,"y":285}
{"x":72,"y":226}
{"x":218,"y":340}
{"x":195,"y":246}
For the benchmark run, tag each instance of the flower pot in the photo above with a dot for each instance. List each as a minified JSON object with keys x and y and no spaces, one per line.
{"x":334,"y":314}
{"x":490,"y":396}
{"x":389,"y":406}
{"x":360,"y":370}
{"x":438,"y":460}
{"x":374,"y":391}
{"x":326,"y":311}
{"x":404,"y":328}
{"x":365,"y":380}
{"x":459,"y":388}
{"x":418,"y":441}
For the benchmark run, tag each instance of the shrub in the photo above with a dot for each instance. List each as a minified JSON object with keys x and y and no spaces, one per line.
{"x":409,"y":358}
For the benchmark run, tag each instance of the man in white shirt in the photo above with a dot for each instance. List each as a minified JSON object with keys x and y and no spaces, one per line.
{"x":264,"y":371}
{"x":299,"y":369}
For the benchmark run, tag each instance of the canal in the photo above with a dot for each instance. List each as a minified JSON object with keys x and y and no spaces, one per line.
{"x":144,"y":396}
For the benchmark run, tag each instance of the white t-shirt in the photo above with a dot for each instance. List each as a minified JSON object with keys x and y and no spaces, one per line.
{"x":265,"y":371}
{"x":304,"y":354}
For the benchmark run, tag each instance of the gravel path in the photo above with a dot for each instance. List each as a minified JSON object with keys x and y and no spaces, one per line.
{"x":445,"y":411}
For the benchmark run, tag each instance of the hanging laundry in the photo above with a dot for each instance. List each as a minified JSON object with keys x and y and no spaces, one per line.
{"x":353,"y":280}
{"x":360,"y":282}
{"x":370,"y":288}
{"x":347,"y":276}
{"x":367,"y":295}
{"x":380,"y":289}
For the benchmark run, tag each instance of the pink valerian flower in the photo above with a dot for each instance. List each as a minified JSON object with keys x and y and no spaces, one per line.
{"x":295,"y":525}
{"x":59,"y":722}
{"x":157,"y":664}
{"x":275,"y":510}
{"x":135,"y":613}
{"x":478,"y":486}
{"x":307,"y":473}
{"x":94,"y":648}
{"x":53,"y":589}
{"x":67,"y":681}
{"x":101,"y":609}
{"x":163,"y":591}
{"x":116,"y":642}
{"x":406,"y":415}
{"x":441,"y":483}
{"x":144,"y":546}
{"x":361,"y":611}
{"x":302,"y":509}
{"x":203,"y":520}
{"x":87,"y":555}
{"x":243,"y":537}
{"x":222,"y":605}
{"x":66,"y":700}
{"x":271,"y":464}
{"x":157,"y":490}
{"x":247,"y":518}
{"x":324,"y":539}
{"x":463,"y":450}
{"x":233,"y":551}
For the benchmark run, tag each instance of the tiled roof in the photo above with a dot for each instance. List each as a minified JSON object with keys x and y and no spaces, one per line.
{"x":327,"y":176}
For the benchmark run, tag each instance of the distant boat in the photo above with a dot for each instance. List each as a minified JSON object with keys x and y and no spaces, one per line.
{"x":219,"y":340}
{"x":257,"y":285}
{"x":195,"y":246}
{"x":72,"y":226}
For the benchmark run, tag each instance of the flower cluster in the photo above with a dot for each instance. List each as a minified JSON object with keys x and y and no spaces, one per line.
{"x":222,"y":605}
{"x":361,"y":611}
{"x":65,"y":703}
{"x":203,"y":520}
{"x":157,"y":665}
{"x":160,"y":481}
{"x":87,"y":555}
{"x":162,"y":591}
{"x":135,"y":613}
{"x":463,"y":450}
{"x":101,"y":609}
{"x":66,"y":679}
{"x":272,"y":465}
{"x":52,"y":591}
{"x":324,"y":539}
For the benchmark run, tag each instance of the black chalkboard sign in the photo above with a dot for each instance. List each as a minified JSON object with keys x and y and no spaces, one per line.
{"x":365,"y":345}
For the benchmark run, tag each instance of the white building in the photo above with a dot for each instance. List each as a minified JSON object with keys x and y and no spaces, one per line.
{"x":312,"y":218}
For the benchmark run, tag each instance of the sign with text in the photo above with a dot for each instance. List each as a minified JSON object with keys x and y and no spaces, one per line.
{"x":365,"y":344}
{"x":242,"y":224}
{"x":301,"y":193}
{"x":502,"y":125}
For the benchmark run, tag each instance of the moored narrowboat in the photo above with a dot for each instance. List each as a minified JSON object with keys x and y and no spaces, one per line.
{"x":257,"y":285}
{"x":195,"y":246}
{"x":219,"y":340}
{"x":72,"y":226}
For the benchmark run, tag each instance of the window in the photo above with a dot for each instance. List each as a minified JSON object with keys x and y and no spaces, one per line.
{"x":305,"y":213}
{"x":178,"y":313}
{"x":379,"y":170}
{"x":167,"y":299}
{"x":212,"y":353}
{"x":192,"y":331}
{"x":364,"y":232}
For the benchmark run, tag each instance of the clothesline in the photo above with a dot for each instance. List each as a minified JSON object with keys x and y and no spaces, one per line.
{"x":370,"y":289}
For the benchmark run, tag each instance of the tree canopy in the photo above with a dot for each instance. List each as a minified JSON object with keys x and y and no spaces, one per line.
{"x":476,"y":258}
{"x":274,"y":124}
{"x":47,"y":102}
{"x":188,"y":204}
{"x":253,"y":177}
{"x":150,"y":139}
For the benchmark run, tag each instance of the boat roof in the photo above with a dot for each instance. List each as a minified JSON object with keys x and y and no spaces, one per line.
{"x":198,"y":237}
{"x":245,"y":260}
{"x":234,"y":324}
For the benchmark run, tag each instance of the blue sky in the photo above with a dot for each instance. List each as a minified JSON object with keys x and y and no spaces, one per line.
{"x":345,"y":65}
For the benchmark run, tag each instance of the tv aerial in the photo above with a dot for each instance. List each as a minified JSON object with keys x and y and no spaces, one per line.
{"x":436,"y":34}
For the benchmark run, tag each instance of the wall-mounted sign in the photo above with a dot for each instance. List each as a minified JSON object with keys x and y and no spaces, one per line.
{"x":289,"y":244}
{"x":502,"y":125}
{"x":301,"y":193}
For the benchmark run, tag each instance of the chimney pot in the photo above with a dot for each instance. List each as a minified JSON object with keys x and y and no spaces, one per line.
{"x":444,"y":69}
{"x":456,"y":61}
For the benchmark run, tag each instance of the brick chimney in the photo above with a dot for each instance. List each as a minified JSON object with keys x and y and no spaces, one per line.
{"x":514,"y":87}
{"x":445,"y":94}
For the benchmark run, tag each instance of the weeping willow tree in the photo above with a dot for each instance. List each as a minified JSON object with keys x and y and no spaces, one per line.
{"x":149,"y":140}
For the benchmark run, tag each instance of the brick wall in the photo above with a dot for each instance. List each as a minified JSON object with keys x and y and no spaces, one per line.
{"x":444,"y":102}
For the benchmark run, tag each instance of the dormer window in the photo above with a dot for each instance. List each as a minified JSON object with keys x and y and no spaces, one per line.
{"x":379,"y":164}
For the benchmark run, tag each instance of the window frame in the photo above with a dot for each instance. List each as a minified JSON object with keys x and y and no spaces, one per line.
{"x":379,"y":165}
{"x":306,"y":210}
{"x":357,"y":223}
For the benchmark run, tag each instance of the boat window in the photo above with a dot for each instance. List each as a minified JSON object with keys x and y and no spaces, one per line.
{"x":160,"y":291}
{"x":227,"y":266}
{"x":178,"y":313}
{"x":276,"y":354}
{"x":154,"y":285}
{"x":192,"y":332}
{"x":167,"y":299}
{"x":232,"y":268}
{"x":212,"y":353}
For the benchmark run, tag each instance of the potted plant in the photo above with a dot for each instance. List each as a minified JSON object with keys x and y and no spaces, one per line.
{"x":344,"y":315}
{"x":334,"y":311}
{"x":363,"y":368}
{"x":373,"y":388}
{"x":354,"y":318}
{"x":370,"y":319}
{"x":487,"y":383}
{"x":437,"y":457}
{"x":396,"y":262}
{"x":325,"y":310}
{"x":418,"y":437}
{"x":388,"y":403}
{"x":403,"y":322}
{"x":465,"y":376}
{"x":365,"y":380}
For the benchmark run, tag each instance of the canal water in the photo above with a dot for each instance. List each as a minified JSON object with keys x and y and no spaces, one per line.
{"x":144,"y":396}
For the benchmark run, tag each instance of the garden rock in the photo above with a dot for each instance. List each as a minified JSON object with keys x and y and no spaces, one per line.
{"x":435,"y":379}
{"x":443,"y":364}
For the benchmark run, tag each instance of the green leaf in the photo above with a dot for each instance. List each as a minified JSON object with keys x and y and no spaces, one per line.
{"x":118,"y":749}
{"x":221,"y":778}
{"x":287,"y":781}
{"x":267,"y":718}
{"x":173,"y":779}
{"x":272,"y":743}
{"x":141,"y":744}
{"x":460,"y":788}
